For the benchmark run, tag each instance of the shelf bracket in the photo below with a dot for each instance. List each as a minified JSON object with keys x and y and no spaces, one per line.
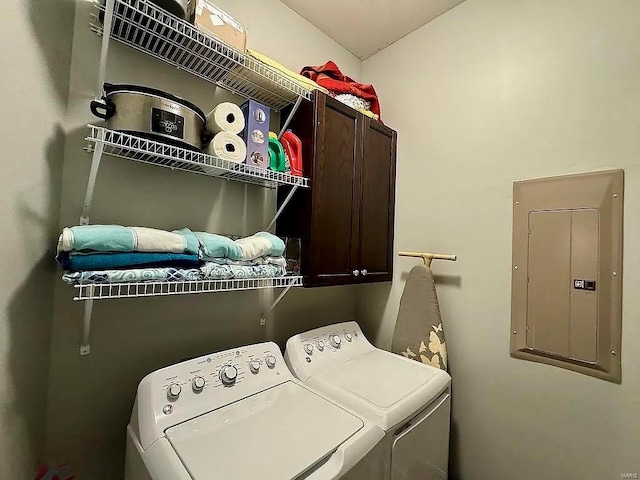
{"x":85,"y":348}
{"x":263,"y":320}
{"x":290,"y":117}
{"x":93,"y":175}
{"x":284,"y":204}
{"x":104,"y":50}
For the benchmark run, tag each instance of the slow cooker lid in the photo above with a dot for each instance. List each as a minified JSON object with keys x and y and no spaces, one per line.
{"x":110,"y":88}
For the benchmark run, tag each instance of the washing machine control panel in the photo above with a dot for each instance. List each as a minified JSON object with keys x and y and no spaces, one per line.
{"x":325,"y":347}
{"x":186,"y":390}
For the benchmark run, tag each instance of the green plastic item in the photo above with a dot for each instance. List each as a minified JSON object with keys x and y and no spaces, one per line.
{"x":277,"y":158}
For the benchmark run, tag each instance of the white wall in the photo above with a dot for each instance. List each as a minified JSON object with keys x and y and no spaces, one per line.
{"x":90,"y":398}
{"x":35,"y":46}
{"x":491,"y":92}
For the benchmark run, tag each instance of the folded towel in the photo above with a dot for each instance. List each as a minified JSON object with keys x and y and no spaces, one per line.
{"x":249,"y":263}
{"x":105,"y":261}
{"x":133,"y":275}
{"x":218,"y":246}
{"x":217,"y":271}
{"x":261,"y":244}
{"x":116,"y":238}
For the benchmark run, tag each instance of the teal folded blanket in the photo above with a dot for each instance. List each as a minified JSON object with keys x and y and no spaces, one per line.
{"x":218,"y":246}
{"x":262,"y":244}
{"x":116,"y":238}
{"x":107,"y":261}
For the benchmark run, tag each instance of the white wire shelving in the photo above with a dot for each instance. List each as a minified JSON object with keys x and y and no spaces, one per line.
{"x":143,"y":150}
{"x":99,"y":291}
{"x":144,"y":26}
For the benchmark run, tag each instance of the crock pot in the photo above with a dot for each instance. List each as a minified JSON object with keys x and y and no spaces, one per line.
{"x":151,"y":113}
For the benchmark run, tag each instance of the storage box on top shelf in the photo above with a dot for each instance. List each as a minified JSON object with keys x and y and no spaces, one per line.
{"x":256,"y":133}
{"x":211,"y":19}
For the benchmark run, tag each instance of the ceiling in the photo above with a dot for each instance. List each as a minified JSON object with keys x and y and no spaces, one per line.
{"x":364,"y":27}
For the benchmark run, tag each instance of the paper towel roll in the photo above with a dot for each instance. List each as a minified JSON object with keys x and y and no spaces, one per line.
{"x":226,"y":117}
{"x":228,"y":146}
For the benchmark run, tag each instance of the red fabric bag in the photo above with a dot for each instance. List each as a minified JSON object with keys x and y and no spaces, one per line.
{"x":330,"y":77}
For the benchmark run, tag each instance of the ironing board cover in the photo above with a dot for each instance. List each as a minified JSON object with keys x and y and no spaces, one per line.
{"x":418,"y":334}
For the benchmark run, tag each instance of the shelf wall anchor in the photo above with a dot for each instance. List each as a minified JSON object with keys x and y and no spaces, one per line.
{"x":85,"y":348}
{"x":93,"y":175}
{"x":263,"y":320}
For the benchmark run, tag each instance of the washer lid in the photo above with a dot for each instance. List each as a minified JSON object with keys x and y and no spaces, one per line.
{"x":382,"y":386}
{"x":273,"y":435}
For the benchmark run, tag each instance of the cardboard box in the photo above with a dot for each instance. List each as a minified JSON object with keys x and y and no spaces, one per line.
{"x":256,"y":133}
{"x":211,"y":19}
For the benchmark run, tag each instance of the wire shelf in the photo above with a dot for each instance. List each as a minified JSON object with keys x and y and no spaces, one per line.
{"x":99,"y":291}
{"x":143,"y":150}
{"x":150,"y":29}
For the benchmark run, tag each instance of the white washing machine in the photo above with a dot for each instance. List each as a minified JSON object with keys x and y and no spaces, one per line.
{"x":240,"y":414}
{"x":409,"y":400}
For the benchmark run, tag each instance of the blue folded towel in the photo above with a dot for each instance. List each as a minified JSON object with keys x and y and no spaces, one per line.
{"x":106,"y":261}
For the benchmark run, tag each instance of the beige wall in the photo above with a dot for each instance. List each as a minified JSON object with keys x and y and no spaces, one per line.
{"x":90,"y":398}
{"x":491,"y":92}
{"x":35,"y":46}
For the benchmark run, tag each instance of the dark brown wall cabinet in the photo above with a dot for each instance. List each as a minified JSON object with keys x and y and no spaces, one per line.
{"x":345,"y":220}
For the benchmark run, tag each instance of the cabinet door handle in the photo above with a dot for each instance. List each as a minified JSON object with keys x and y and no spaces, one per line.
{"x":364,"y":272}
{"x":356,"y":273}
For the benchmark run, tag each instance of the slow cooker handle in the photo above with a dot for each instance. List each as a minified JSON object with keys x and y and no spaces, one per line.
{"x":107,"y":105}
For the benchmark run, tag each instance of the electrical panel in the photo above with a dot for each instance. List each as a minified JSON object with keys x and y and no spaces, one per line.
{"x":567,"y":272}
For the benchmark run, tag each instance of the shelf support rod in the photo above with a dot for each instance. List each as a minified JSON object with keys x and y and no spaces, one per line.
{"x":290,"y":117}
{"x":263,"y":320}
{"x":284,"y":204}
{"x":93,"y":175}
{"x":104,"y":50}
{"x":85,"y":348}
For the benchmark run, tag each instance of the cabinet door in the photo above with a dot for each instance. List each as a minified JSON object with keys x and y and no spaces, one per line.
{"x":378,"y":178}
{"x":334,"y":230}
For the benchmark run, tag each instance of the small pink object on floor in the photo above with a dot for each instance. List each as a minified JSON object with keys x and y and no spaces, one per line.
{"x":55,"y":472}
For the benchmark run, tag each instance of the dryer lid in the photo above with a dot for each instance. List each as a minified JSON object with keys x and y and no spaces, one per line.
{"x":274,"y":435}
{"x":382,"y":386}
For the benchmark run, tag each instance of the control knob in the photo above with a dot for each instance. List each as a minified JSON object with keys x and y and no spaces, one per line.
{"x":254,"y":366}
{"x":270,"y":361}
{"x":308,"y":348}
{"x":228,"y":375}
{"x":348,"y":336}
{"x":173,"y":392}
{"x":198,"y":384}
{"x":320,"y":345}
{"x":335,"y":341}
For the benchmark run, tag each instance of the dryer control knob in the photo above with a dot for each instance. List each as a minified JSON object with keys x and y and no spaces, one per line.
{"x":336,"y":341}
{"x":348,"y":336}
{"x":308,"y":348}
{"x":270,"y":361}
{"x":228,"y":374}
{"x":320,"y":345}
{"x":198,"y":384}
{"x":255,"y":366}
{"x":173,"y":392}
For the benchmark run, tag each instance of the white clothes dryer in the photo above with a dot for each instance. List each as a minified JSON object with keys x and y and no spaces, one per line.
{"x":240,"y":414}
{"x":409,"y":400}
